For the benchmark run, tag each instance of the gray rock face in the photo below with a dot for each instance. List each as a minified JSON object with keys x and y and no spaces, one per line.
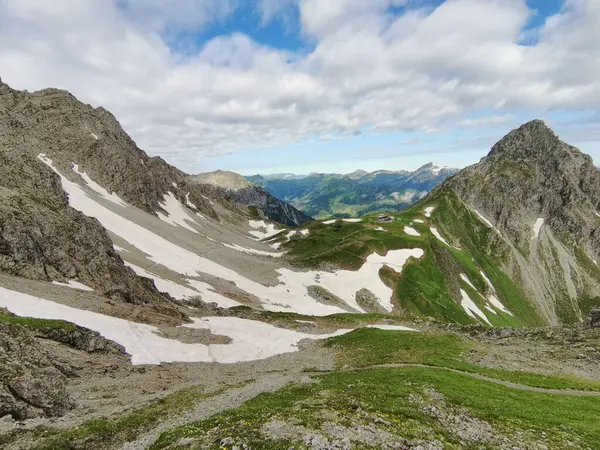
{"x":54,"y":122}
{"x":41,"y":236}
{"x":31,"y":385}
{"x":530,"y":176}
{"x":594,"y":318}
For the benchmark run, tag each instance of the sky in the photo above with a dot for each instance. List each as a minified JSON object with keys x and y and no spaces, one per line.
{"x":268,"y":86}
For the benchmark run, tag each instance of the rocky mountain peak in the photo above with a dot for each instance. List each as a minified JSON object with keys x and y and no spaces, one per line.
{"x":532,"y":139}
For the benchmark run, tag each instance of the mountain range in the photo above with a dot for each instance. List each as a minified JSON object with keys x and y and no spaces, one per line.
{"x":144,"y":307}
{"x":355,"y":194}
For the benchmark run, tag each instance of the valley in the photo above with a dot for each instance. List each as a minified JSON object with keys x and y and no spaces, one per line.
{"x":144,"y":307}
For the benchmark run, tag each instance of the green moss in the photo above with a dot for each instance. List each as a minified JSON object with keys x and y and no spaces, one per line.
{"x":37,"y":324}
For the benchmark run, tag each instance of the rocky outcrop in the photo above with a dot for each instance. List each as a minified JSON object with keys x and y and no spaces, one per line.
{"x":31,"y":384}
{"x":594,"y":318}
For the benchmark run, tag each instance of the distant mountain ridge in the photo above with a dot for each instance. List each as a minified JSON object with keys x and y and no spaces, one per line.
{"x":245,"y":192}
{"x":325,"y":195}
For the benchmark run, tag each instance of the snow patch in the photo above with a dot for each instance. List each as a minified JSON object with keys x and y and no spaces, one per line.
{"x":471,"y":308}
{"x":411,"y":231}
{"x":466,"y":280}
{"x":175,"y":290}
{"x":537,"y":226}
{"x":392,"y":328}
{"x":188,"y":202}
{"x":174,"y":184}
{"x":419,"y":221}
{"x":437,"y":234}
{"x":111,"y":197}
{"x":305,"y":232}
{"x":483,"y":219}
{"x":74,"y":285}
{"x":270,"y":229}
{"x":498,"y":304}
{"x":252,"y":251}
{"x":429,"y":210}
{"x":331,"y":221}
{"x":352,"y":220}
{"x":119,"y":249}
{"x":210,"y":296}
{"x":380,"y":229}
{"x":176,"y":213}
{"x":94,"y":136}
{"x":492,"y":297}
{"x":250,"y":340}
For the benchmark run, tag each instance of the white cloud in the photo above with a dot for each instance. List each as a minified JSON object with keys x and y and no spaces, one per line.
{"x":491,"y":120}
{"x":424,"y":70}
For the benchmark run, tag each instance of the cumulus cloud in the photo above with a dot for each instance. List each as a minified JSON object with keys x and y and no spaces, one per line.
{"x":420,"y":70}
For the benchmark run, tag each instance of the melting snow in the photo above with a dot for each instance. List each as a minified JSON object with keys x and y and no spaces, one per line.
{"x":305,"y":232}
{"x":471,"y":308}
{"x":119,"y":249}
{"x":187,"y":201}
{"x":537,"y":226}
{"x":330,"y":221}
{"x":483,"y":219}
{"x":210,"y":296}
{"x":498,"y":304}
{"x":429,"y":210}
{"x":175,"y":290}
{"x":252,"y":251}
{"x":380,"y":229}
{"x":437,"y":234}
{"x":419,"y":221}
{"x":111,"y":197}
{"x":289,"y":295}
{"x":392,"y":327}
{"x":176,"y":213}
{"x":492,"y":298}
{"x":251,"y":340}
{"x":174,"y":185}
{"x":411,"y":231}
{"x":261,"y":224}
{"x":466,"y":280}
{"x":74,"y":285}
{"x":94,"y":136}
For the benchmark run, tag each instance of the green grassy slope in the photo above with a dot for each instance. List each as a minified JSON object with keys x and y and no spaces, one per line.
{"x":430,"y":286}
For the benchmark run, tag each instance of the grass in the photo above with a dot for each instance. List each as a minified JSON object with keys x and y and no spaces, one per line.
{"x":37,"y":324}
{"x":113,"y":431}
{"x":368,"y":347}
{"x":387,"y":393}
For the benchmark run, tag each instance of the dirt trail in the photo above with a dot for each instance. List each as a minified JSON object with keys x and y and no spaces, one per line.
{"x":236,"y":397}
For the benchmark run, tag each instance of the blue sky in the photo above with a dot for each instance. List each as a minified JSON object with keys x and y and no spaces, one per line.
{"x":316,"y":85}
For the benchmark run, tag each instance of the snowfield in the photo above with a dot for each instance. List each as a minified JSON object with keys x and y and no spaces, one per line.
{"x":289,"y":295}
{"x":471,"y":308}
{"x":111,"y":197}
{"x":270,"y":229}
{"x":250,"y":340}
{"x":252,"y":251}
{"x":411,"y":231}
{"x":429,"y":210}
{"x":176,"y":213}
{"x":74,"y":285}
{"x":483,"y":219}
{"x":537,"y":226}
{"x":437,"y":234}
